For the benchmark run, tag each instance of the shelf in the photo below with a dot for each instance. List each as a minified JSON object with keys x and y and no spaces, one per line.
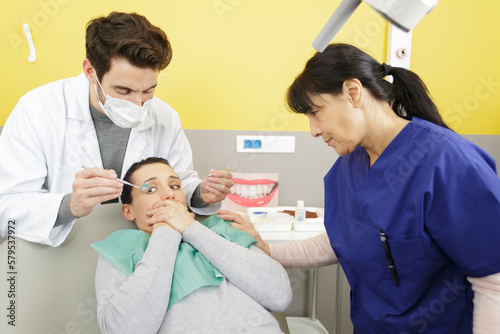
{"x":301,"y":325}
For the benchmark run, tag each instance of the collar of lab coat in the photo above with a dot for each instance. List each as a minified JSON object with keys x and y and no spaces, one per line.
{"x":79,"y":109}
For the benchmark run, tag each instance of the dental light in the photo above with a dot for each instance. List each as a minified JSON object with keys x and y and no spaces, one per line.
{"x":405,"y":14}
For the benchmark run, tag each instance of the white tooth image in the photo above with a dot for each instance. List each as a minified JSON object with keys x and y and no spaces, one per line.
{"x":238,"y":189}
{"x":233,"y":190}
{"x":259,"y":190}
{"x":265,"y":190}
{"x":244,"y":191}
{"x":252,"y":191}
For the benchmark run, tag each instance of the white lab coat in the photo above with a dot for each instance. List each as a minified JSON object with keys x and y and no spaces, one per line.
{"x":50,"y":135}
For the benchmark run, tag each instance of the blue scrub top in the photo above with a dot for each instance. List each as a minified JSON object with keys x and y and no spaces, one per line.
{"x":437,"y":198}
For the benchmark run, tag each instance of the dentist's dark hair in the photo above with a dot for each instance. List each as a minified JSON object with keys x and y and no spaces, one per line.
{"x":326,"y":72}
{"x":126,"y":35}
{"x":126,"y":196}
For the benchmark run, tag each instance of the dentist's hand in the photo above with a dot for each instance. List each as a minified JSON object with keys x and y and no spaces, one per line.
{"x":174,"y":214}
{"x":91,"y":187}
{"x":243,"y":225}
{"x":216,"y":187}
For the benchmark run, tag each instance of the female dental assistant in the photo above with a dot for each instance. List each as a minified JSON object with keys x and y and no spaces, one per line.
{"x":412,"y":209}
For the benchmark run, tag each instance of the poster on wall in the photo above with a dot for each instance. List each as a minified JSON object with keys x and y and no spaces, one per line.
{"x":252,"y":190}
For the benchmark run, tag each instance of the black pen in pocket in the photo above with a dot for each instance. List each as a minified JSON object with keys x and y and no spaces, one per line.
{"x":390,"y":261}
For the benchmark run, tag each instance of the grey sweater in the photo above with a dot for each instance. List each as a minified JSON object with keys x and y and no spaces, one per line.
{"x":254,"y":284}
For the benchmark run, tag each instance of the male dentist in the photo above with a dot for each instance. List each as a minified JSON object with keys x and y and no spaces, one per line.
{"x":107,"y":118}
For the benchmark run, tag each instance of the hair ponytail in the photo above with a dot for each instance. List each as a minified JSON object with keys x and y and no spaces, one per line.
{"x":410,"y":97}
{"x":326,"y":72}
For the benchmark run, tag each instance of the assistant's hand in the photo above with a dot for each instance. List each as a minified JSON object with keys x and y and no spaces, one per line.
{"x":91,"y":187}
{"x":216,"y":187}
{"x":174,"y":214}
{"x":243,"y":225}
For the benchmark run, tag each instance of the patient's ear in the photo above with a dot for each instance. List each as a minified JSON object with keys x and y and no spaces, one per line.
{"x":127,"y":212}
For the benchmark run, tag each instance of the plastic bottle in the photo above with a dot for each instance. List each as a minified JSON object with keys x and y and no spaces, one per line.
{"x":300,"y":212}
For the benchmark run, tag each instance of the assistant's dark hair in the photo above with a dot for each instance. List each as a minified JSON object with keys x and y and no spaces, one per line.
{"x":127,"y":35}
{"x":326,"y":72}
{"x":126,"y":196}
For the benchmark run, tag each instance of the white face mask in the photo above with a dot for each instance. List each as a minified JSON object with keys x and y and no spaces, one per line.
{"x":123,"y":113}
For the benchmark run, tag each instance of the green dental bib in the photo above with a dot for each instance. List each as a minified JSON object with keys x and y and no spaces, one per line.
{"x":125,"y":248}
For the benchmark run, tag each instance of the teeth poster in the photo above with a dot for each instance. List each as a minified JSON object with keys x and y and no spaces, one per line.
{"x":252,"y":190}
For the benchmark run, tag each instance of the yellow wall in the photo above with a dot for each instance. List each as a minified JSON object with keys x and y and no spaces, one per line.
{"x":456,"y":51}
{"x":234,"y":59}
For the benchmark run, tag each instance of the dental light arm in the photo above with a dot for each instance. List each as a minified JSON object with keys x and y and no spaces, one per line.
{"x":405,"y":14}
{"x":334,"y":23}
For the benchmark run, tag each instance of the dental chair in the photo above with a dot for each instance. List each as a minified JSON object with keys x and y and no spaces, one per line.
{"x":55,"y":291}
{"x":54,"y":287}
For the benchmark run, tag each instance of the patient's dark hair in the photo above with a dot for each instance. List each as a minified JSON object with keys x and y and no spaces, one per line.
{"x":126,"y":196}
{"x":326,"y":72}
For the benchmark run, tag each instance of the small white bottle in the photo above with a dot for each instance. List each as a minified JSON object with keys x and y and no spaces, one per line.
{"x":300,"y":212}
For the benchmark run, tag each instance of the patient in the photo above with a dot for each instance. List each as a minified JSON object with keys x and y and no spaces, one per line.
{"x":176,"y":275}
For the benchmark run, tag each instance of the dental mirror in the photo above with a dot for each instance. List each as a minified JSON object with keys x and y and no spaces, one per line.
{"x":144,"y":187}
